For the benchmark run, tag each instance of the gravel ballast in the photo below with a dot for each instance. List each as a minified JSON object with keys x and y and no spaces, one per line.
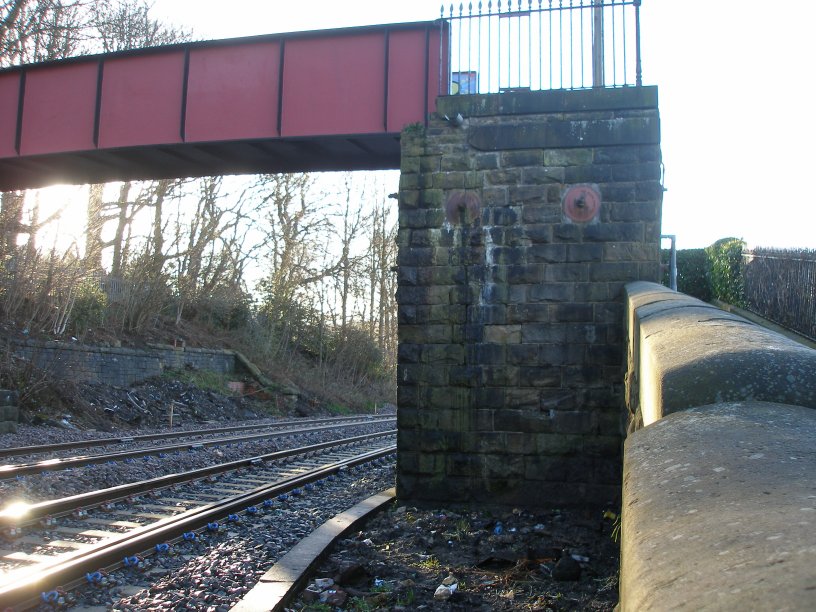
{"x":215,"y":570}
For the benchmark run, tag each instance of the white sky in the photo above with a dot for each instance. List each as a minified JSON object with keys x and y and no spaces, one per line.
{"x":736,"y":98}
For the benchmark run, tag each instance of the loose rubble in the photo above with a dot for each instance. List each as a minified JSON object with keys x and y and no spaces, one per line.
{"x":471,"y":561}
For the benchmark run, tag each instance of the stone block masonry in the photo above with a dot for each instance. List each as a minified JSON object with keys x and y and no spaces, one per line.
{"x":510,"y":382}
{"x":120,"y":367}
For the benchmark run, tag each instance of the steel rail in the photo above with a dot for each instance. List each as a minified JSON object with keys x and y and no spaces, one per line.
{"x":25,"y":591}
{"x":50,"y":448}
{"x":50,"y":465}
{"x":56,"y":507}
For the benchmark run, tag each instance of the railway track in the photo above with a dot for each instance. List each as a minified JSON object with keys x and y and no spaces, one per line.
{"x":18,"y":470}
{"x":81,"y":538}
{"x":51,"y":449}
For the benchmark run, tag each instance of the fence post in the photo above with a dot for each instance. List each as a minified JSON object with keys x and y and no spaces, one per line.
{"x":672,"y":261}
{"x":597,"y":44}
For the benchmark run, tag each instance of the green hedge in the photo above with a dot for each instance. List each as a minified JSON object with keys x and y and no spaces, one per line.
{"x":726,"y":270}
{"x":712,"y":272}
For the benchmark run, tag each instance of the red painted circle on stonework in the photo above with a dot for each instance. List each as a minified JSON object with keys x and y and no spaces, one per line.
{"x":582,"y":203}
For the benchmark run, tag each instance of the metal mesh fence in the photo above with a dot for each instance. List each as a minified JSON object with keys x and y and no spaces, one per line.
{"x":780,"y":285}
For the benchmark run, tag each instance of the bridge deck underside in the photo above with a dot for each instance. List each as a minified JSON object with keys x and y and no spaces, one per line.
{"x":364,"y":152}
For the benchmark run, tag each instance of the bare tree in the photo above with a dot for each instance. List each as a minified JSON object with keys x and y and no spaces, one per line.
{"x":38,"y":30}
{"x":127,"y":24}
{"x":348,"y":264}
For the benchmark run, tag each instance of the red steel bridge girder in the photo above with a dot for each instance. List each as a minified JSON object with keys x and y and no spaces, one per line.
{"x":322,"y":100}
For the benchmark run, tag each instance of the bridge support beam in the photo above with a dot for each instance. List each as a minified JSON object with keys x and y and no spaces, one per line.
{"x":522,"y":216}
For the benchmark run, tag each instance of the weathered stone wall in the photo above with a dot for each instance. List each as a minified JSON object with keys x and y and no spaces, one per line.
{"x":510,"y":314}
{"x":683,"y":352}
{"x":718,"y":472}
{"x":120,"y":366}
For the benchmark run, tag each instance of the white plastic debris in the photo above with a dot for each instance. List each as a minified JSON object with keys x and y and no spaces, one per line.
{"x":444,"y":592}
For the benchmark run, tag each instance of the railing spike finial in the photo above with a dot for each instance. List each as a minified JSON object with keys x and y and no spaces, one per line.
{"x":480,"y":7}
{"x":461,"y":9}
{"x":470,"y":8}
{"x":451,"y":10}
{"x":489,"y":6}
{"x":442,"y":11}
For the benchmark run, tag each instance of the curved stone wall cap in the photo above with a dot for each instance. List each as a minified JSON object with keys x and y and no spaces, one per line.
{"x":719,"y":510}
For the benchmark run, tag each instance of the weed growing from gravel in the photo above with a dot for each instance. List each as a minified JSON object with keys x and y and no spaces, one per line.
{"x":317,"y":607}
{"x":462,"y":529}
{"x":407,"y":599}
{"x":430,"y":564}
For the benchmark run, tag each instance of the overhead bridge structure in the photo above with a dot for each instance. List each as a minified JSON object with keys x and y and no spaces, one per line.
{"x":324,"y":100}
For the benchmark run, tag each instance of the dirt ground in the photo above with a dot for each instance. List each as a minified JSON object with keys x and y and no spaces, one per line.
{"x":410,"y":559}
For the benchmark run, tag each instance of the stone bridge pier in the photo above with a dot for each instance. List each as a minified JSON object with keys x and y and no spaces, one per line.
{"x":522,"y":217}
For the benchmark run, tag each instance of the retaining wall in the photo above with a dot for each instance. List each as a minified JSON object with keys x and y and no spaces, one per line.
{"x":120,"y":367}
{"x":719,"y":495}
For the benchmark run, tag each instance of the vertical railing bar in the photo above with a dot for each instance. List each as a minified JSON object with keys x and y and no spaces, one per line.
{"x":509,"y":21}
{"x":572,"y":47}
{"x":638,"y":75}
{"x":623,"y":20}
{"x":551,"y":46}
{"x":509,"y":43}
{"x":581,"y":9}
{"x":489,"y":43}
{"x":530,"y":43}
{"x":614,"y":49}
{"x":518,"y":30}
{"x":498,"y":46}
{"x":561,"y":44}
{"x":540,"y":49}
{"x":479,"y":52}
{"x":459,"y":48}
{"x":441,"y":28}
{"x":470,"y":35}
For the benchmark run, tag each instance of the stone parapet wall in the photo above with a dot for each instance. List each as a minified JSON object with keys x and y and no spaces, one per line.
{"x":510,"y":313}
{"x":120,"y":367}
{"x":718,"y":494}
{"x":683,"y":352}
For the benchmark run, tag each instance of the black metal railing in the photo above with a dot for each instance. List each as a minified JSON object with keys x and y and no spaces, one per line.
{"x":780,"y":285}
{"x":539,"y":44}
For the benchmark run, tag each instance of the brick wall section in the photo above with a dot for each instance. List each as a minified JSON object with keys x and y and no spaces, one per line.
{"x":510,"y":316}
{"x":120,"y":367}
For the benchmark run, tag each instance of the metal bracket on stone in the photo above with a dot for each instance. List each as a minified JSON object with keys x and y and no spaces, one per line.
{"x":581,"y":203}
{"x":463,"y":208}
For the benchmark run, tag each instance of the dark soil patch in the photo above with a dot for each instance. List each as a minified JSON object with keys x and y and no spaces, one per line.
{"x":520,"y":560}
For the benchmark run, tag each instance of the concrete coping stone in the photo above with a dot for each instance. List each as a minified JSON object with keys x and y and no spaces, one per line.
{"x":687,"y":353}
{"x":290,"y":573}
{"x":719,"y":510}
